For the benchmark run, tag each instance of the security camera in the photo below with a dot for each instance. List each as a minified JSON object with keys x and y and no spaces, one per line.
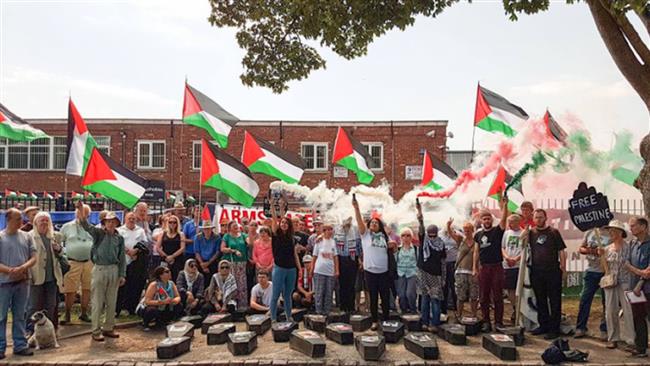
{"x":431,"y":133}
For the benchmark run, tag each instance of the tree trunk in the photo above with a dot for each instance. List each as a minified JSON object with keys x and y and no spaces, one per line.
{"x":636,"y":73}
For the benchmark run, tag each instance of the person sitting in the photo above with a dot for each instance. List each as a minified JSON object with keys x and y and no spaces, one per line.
{"x":304,"y":295}
{"x":221,"y":292}
{"x":190,"y":284}
{"x":261,"y":294}
{"x":161,"y":299}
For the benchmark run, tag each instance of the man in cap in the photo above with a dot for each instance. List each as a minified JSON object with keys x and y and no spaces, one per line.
{"x":548,"y":264}
{"x":108,"y":255}
{"x":30,"y":212}
{"x":207,"y":248}
{"x":78,"y":243}
{"x":179,"y":211}
{"x":490,"y":258}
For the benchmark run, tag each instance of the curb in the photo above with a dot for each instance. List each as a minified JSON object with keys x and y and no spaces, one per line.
{"x":254,"y":362}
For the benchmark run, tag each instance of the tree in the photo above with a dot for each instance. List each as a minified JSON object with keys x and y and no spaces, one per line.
{"x":279,"y":35}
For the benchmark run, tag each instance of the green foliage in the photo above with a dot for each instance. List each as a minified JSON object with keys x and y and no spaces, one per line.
{"x":280,"y":36}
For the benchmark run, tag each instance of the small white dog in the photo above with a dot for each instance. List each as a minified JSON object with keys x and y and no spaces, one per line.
{"x":44,"y":334}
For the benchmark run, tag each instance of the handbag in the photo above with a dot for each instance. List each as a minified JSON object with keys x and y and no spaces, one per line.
{"x":609,"y":280}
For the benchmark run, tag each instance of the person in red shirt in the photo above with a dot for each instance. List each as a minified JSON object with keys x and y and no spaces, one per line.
{"x":526,"y":215}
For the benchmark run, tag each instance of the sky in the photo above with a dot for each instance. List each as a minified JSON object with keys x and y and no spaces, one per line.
{"x":129,"y":59}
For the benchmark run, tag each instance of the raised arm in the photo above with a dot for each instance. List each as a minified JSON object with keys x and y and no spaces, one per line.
{"x":420,"y":217}
{"x":452,"y":233}
{"x":274,"y":219}
{"x":357,"y":214}
{"x":504,"y":212}
{"x":83,"y":221}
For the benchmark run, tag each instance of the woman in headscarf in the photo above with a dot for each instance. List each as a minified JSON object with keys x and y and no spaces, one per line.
{"x":190,"y":283}
{"x":221,"y":292}
{"x":431,"y":273}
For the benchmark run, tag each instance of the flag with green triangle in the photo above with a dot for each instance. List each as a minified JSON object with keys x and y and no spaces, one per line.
{"x":351,"y":154}
{"x":15,"y":128}
{"x":261,"y":156}
{"x":515,"y":193}
{"x":436,"y":174}
{"x":80,"y":142}
{"x":553,"y":128}
{"x":496,"y":114}
{"x":203,"y":112}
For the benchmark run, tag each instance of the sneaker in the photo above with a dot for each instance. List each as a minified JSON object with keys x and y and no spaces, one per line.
{"x":84,"y":318}
{"x":552,"y":335}
{"x":111,"y":334}
{"x":538,"y":331}
{"x":486,"y":328}
{"x":498,"y":326}
{"x":98,"y":337}
{"x":579,"y":333}
{"x":24,"y":352}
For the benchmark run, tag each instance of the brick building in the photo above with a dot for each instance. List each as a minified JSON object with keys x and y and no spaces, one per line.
{"x":169,"y":150}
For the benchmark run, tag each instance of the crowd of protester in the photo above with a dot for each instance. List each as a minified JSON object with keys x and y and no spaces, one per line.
{"x":182,"y":265}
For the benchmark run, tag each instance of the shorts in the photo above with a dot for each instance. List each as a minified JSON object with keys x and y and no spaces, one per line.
{"x":80,"y":273}
{"x":511,"y":275}
{"x":466,"y":287}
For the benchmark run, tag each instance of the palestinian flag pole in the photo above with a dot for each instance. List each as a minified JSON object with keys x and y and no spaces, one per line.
{"x":203,"y":112}
{"x":105,"y":176}
{"x":515,"y":193}
{"x":352,"y":155}
{"x":15,"y":128}
{"x":436,"y":174}
{"x":227,"y":174}
{"x":261,"y":156}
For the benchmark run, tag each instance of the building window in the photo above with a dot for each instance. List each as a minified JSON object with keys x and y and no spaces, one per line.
{"x":17,"y":155}
{"x":3,"y":153}
{"x":376,"y":152}
{"x":103,"y":144}
{"x":39,"y":154}
{"x":151,"y":154}
{"x":196,"y":153}
{"x":315,"y":155}
{"x":59,"y":152}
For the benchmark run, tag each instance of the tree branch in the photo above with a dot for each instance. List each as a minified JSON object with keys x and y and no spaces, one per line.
{"x":630,"y":33}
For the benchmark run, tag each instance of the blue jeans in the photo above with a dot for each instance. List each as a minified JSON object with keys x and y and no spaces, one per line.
{"x":591,"y":284}
{"x":284,"y":281}
{"x":15,"y":296}
{"x":430,"y":311}
{"x":407,"y":293}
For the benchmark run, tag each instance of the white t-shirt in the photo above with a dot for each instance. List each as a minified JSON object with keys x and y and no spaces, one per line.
{"x":261,"y":295}
{"x":375,"y":252}
{"x":511,"y":244}
{"x":325,"y":250}
{"x":131,"y":238}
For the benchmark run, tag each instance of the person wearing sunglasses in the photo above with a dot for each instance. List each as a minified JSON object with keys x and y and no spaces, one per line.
{"x":161,"y":300}
{"x":171,"y":245}
{"x":406,"y":272}
{"x":221,"y":292}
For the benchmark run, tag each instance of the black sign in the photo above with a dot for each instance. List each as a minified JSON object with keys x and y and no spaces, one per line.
{"x":589,"y":209}
{"x":155,"y":191}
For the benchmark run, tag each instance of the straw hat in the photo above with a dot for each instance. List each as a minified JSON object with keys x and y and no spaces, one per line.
{"x":206,"y":224}
{"x":616,"y":224}
{"x":30,"y":209}
{"x":110,"y":215}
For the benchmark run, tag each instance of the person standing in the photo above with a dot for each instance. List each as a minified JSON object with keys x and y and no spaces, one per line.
{"x":449,"y":291}
{"x":639,"y":265}
{"x":207,"y":249}
{"x":251,"y":236}
{"x":526,"y":221}
{"x":263,"y":252}
{"x":235,"y":250}
{"x":46,"y":275}
{"x":137,"y":252}
{"x":325,"y":267}
{"x":548,"y":264}
{"x":349,"y":249}
{"x":109,"y":257}
{"x":591,"y":280}
{"x":374,"y":242}
{"x":78,"y":243}
{"x":285,"y":258}
{"x":17,"y":256}
{"x":466,"y":270}
{"x":142,"y":220}
{"x":511,"y":251}
{"x":190,"y":230}
{"x":171,"y":246}
{"x":30,"y":213}
{"x":489,"y":260}
{"x":616,"y":255}
{"x":406,"y":259}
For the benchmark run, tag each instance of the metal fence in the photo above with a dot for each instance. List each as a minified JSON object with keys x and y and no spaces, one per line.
{"x":629,"y":206}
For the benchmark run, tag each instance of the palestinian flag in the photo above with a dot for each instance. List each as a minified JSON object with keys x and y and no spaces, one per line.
{"x":57,"y":195}
{"x":105,"y":176}
{"x":15,"y":128}
{"x":495,"y":113}
{"x":88,"y":196}
{"x":351,"y":154}
{"x":10,"y":193}
{"x":22,"y":195}
{"x":436,"y":174}
{"x":205,"y":214}
{"x":515,"y":193}
{"x":170,"y":196}
{"x":628,"y":164}
{"x":80,"y":142}
{"x":190,"y":198}
{"x":32,"y":196}
{"x":226,"y":174}
{"x":76,"y":196}
{"x":203,"y":112}
{"x":261,"y":156}
{"x":553,"y":129}
{"x":47,"y":196}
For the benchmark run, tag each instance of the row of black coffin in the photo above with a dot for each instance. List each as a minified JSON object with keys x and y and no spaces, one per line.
{"x":219,"y":330}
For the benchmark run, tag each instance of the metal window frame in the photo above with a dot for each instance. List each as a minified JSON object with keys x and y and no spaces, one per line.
{"x":316,"y":144}
{"x":369,"y":145}
{"x":151,"y":143}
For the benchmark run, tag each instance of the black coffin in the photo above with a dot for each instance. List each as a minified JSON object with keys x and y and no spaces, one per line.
{"x":472,"y":326}
{"x":454,"y":334}
{"x":180,"y":329}
{"x":500,"y":345}
{"x":195,"y":320}
{"x":307,"y":342}
{"x":412,"y":322}
{"x":258,"y":323}
{"x":371,"y":348}
{"x":340,"y":333}
{"x":242,"y":343}
{"x":392,"y":330}
{"x":422,"y":345}
{"x":213,"y":319}
{"x":173,"y":347}
{"x":360,"y":323}
{"x":282,"y":331}
{"x":218,"y":333}
{"x":338,"y":317}
{"x":315,"y":322}
{"x":517,"y":334}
